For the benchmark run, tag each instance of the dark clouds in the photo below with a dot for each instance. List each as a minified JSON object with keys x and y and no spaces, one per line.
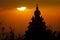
{"x":18,"y":3}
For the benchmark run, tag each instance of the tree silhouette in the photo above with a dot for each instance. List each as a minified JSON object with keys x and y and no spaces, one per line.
{"x":11,"y":34}
{"x":54,"y":35}
{"x":3,"y":35}
{"x":19,"y":37}
{"x":58,"y":36}
{"x":37,"y":28}
{"x":49,"y":34}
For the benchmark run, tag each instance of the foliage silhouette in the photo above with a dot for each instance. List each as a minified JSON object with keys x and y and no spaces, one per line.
{"x":58,"y":36}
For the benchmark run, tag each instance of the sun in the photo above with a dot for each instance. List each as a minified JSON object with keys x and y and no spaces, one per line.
{"x":21,"y":8}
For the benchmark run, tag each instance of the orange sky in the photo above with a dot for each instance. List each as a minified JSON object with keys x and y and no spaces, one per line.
{"x":20,"y":20}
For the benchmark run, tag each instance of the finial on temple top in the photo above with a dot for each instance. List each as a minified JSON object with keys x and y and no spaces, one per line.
{"x":36,"y":6}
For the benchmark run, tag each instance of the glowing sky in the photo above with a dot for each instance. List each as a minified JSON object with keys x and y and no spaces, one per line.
{"x":18,"y":3}
{"x":50,"y":11}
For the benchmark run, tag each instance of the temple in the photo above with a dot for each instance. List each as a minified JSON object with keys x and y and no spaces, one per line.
{"x":37,"y":28}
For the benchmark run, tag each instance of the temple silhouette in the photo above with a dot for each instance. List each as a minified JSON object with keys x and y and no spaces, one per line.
{"x":36,"y":27}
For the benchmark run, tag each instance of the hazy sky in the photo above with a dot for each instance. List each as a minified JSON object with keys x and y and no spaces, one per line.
{"x":50,"y":11}
{"x":18,"y":3}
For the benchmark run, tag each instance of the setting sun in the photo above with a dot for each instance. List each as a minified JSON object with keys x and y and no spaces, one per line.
{"x":21,"y":8}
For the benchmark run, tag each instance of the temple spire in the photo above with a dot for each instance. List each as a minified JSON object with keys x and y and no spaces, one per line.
{"x":37,"y":12}
{"x":36,"y":6}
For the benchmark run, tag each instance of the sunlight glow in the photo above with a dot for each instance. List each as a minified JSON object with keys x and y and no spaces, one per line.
{"x":21,"y":8}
